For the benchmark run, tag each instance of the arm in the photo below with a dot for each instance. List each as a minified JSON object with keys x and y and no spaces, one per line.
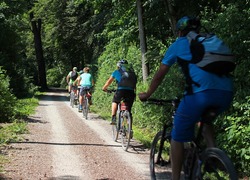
{"x":67,"y":79}
{"x":106,"y":85}
{"x":156,"y":81}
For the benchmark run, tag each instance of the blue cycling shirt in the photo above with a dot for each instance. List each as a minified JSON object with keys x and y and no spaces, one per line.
{"x":180,"y":48}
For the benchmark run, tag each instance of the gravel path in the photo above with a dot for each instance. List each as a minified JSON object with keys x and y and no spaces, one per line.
{"x":62,"y":145}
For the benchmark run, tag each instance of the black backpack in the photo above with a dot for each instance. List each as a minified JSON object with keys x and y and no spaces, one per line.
{"x":73,"y":75}
{"x":129,"y":78}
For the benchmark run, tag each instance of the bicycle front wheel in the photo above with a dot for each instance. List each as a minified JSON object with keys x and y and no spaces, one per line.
{"x":125,"y":129}
{"x":160,"y":164}
{"x":116,"y":128}
{"x":85,"y":108}
{"x":215,"y":164}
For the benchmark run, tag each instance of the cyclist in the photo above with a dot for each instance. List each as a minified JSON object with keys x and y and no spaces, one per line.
{"x":77,"y":84}
{"x":71,"y":77}
{"x":214,"y":91}
{"x":122,"y":92}
{"x":86,"y":82}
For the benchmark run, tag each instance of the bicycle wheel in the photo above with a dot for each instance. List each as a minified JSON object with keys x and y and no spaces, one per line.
{"x":214,"y":165}
{"x":72,"y":99}
{"x":85,"y":108}
{"x":125,"y":129}
{"x":160,"y":164}
{"x":116,"y":128}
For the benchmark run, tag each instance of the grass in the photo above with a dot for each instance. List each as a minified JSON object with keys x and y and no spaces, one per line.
{"x":12,"y":132}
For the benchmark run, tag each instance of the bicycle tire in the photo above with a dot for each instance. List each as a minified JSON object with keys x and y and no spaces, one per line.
{"x":160,"y":163}
{"x":116,"y":127}
{"x":214,"y":164}
{"x":85,"y":108}
{"x":125,"y":129}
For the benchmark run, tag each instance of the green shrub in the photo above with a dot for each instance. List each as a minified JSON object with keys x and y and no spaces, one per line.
{"x":7,"y":100}
{"x":235,"y":139}
{"x":55,"y":78}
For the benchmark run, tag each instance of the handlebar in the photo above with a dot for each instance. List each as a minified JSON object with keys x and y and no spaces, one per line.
{"x":110,"y":91}
{"x":163,"y":102}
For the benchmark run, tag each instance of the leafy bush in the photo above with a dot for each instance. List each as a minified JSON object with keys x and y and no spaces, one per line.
{"x":55,"y":78}
{"x":235,"y":139}
{"x":7,"y":100}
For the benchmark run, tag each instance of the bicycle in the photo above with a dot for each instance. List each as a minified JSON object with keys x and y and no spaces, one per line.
{"x":86,"y":99}
{"x":73,"y":97}
{"x":123,"y":127}
{"x":199,"y":162}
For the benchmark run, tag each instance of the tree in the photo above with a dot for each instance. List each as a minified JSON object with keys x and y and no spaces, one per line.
{"x":36,"y":29}
{"x":143,"y":45}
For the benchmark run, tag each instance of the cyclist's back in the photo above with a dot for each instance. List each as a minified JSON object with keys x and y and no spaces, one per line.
{"x":204,"y":90}
{"x":123,"y":92}
{"x":86,"y":82}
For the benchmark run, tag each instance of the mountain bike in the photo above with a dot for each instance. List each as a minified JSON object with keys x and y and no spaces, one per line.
{"x":73,"y":96}
{"x":86,"y":99}
{"x":123,"y":125}
{"x":199,"y":162}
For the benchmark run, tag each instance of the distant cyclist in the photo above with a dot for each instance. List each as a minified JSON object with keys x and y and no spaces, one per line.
{"x":211,"y":90}
{"x":76,"y":83}
{"x":125,"y":90}
{"x":71,"y":77}
{"x":86,"y":82}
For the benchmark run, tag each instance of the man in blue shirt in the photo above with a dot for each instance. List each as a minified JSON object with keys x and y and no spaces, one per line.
{"x":212,"y":91}
{"x":126,"y":92}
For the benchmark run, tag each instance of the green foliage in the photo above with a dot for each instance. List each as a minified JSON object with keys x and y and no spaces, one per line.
{"x":11,"y":132}
{"x":235,"y":138}
{"x":7,"y":100}
{"x":55,"y":77}
{"x":25,"y":107}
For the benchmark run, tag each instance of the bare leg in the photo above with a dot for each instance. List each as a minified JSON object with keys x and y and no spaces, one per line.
{"x":208,"y":135}
{"x":80,"y":100}
{"x":114,"y":109}
{"x":176,"y":159}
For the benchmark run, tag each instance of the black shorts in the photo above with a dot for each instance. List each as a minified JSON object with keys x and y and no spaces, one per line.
{"x":127,"y":95}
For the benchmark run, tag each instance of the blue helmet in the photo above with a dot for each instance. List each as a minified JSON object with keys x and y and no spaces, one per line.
{"x":188,"y":23}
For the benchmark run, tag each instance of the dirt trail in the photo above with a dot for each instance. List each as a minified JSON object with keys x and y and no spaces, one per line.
{"x":63,"y":145}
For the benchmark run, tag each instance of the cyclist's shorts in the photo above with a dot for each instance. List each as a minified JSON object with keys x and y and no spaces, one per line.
{"x":84,"y":90}
{"x":127,"y":95}
{"x":193,"y":106}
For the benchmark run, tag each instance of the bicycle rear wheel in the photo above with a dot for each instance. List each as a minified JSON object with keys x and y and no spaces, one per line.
{"x":215,"y":164}
{"x":85,"y":108}
{"x":125,"y":129}
{"x":160,"y":164}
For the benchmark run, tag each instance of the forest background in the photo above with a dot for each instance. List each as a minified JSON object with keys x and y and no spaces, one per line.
{"x":42,"y":40}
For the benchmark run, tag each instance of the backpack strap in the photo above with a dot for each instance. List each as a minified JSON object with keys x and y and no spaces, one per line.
{"x":189,"y":81}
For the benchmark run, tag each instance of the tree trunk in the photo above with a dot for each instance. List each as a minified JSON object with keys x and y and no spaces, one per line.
{"x":143,"y":45}
{"x":36,"y":29}
{"x":172,"y":15}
